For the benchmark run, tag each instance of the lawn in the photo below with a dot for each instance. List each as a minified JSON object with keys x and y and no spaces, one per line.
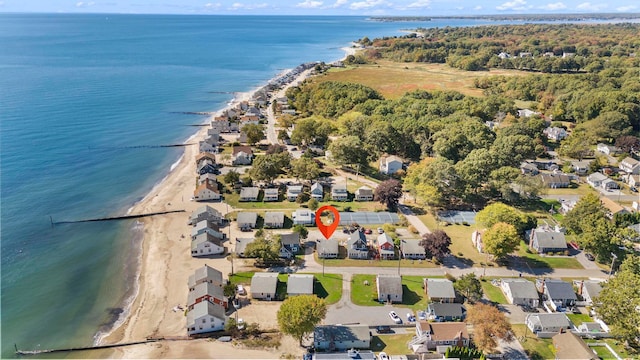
{"x":460,"y":239}
{"x":243,"y":278}
{"x":578,"y":319}
{"x":604,"y":353}
{"x":413,"y":295}
{"x":493,"y":292}
{"x":536,"y":348}
{"x":394,"y":79}
{"x":554,"y":262}
{"x":365,"y":295}
{"x":404,"y":263}
{"x":328,"y":287}
{"x":391,"y":344}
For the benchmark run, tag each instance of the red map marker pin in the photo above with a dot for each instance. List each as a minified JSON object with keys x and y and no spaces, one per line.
{"x":327,"y":230}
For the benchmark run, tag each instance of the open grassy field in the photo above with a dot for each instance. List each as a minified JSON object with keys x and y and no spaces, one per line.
{"x":365,"y":295}
{"x":394,"y":79}
{"x":460,"y":239}
{"x":536,"y":348}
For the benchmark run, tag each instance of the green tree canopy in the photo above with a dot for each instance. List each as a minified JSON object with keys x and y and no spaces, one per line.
{"x":588,"y":207}
{"x":469,"y":286}
{"x":304,"y":168}
{"x":348,"y":150}
{"x":499,"y":212}
{"x":268,"y":167}
{"x":298,"y":315}
{"x":500,"y":240}
{"x":265,"y":248}
{"x":255,"y":133}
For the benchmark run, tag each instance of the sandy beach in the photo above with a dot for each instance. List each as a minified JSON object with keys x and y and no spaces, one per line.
{"x":165,"y":267}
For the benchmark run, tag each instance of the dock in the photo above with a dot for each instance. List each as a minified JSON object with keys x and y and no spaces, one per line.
{"x":123,"y":217}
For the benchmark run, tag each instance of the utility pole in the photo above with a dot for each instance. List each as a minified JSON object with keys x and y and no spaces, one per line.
{"x":232,"y":255}
{"x":613,"y":260}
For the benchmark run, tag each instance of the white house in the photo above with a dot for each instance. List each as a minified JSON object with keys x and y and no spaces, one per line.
{"x":242,"y":155}
{"x":205,"y":245}
{"x":207,"y":227}
{"x":264,"y":285}
{"x":389,"y":288}
{"x":247,"y":220}
{"x":300,"y":284}
{"x":317,"y":191}
{"x":630,"y":166}
{"x":206,"y":191}
{"x":293,"y":191}
{"x":555,"y":133}
{"x":520,"y":292}
{"x":439,"y":290}
{"x":364,"y":193}
{"x":205,"y":212}
{"x":303,"y":217}
{"x":205,"y":274}
{"x":249,"y":194}
{"x":390,"y":164}
{"x":205,"y":317}
{"x":339,"y":192}
{"x":525,"y":113}
{"x":547,"y":325}
{"x":607,"y":149}
{"x":411,"y":249}
{"x":596,"y":179}
{"x":270,"y":195}
{"x":476,"y":239}
{"x":274,"y":219}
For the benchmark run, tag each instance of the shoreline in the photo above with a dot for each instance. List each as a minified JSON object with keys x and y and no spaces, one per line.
{"x":146,"y":314}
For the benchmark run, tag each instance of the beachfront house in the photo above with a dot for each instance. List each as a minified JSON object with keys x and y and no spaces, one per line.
{"x":205,"y":317}
{"x":411,"y":249}
{"x":207,"y":168}
{"x":207,"y":292}
{"x":270,"y":195}
{"x":317,"y":191}
{"x":546,"y":325}
{"x":386,"y":248}
{"x":341,"y":337}
{"x":630,"y":166}
{"x":206,"y":245}
{"x":293,"y":191}
{"x":339,"y":192}
{"x":207,"y":191}
{"x":207,"y":177}
{"x":205,"y":158}
{"x":249,"y":194}
{"x":300,"y":284}
{"x":241,"y":245}
{"x":241,"y":155}
{"x":543,"y":241}
{"x":389,"y":288}
{"x":439,"y":290}
{"x":357,"y":247}
{"x":206,"y":212}
{"x":264,"y":285}
{"x":208,"y":227}
{"x":205,"y":274}
{"x":364,"y":193}
{"x":390,"y":164}
{"x":247,"y":220}
{"x":303,"y":217}
{"x":327,"y":249}
{"x":274,"y":219}
{"x":210,"y":144}
{"x":520,"y":292}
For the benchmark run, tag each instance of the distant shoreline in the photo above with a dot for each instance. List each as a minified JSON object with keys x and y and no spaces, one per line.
{"x":514,"y":17}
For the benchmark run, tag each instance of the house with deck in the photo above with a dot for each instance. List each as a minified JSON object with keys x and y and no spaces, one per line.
{"x":389,"y":288}
{"x":546,"y":324}
{"x":206,"y":245}
{"x":630,"y":166}
{"x":357,"y":247}
{"x":264,"y":285}
{"x":300,"y":284}
{"x":207,"y":292}
{"x":207,"y":177}
{"x":207,"y":227}
{"x":205,"y":274}
{"x":520,"y":292}
{"x":205,"y":317}
{"x":432,"y":335}
{"x":558,"y":294}
{"x":439,"y":290}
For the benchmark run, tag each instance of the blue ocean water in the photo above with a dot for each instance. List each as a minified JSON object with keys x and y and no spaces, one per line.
{"x":74,"y":91}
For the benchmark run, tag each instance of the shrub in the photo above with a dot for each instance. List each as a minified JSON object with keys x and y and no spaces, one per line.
{"x":450,"y":277}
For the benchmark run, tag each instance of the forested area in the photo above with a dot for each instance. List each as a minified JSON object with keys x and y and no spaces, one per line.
{"x":548,"y":48}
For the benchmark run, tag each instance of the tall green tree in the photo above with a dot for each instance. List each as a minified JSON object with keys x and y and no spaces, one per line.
{"x":500,"y":240}
{"x":304,"y":168}
{"x":469,"y":286}
{"x":298,"y":315}
{"x":254,"y":132}
{"x":499,"y":212}
{"x":268,"y":167}
{"x":265,"y":248}
{"x":589,"y":206}
{"x":348,"y":150}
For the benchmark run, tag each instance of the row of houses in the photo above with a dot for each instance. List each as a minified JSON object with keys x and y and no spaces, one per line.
{"x":264,"y":285}
{"x":206,"y":303}
{"x":357,"y":247}
{"x":206,"y":237}
{"x":338,"y":193}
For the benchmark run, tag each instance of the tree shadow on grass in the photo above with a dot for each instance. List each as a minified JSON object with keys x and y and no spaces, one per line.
{"x":377,"y":344}
{"x":410,"y":297}
{"x":319,"y":290}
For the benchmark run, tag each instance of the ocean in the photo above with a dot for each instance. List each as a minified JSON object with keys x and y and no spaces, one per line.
{"x":81,"y":97}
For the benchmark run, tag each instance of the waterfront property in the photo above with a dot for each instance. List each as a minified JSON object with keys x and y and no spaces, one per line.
{"x":206,"y":191}
{"x":207,"y":292}
{"x":411,"y":249}
{"x":300,"y":284}
{"x":247,"y":220}
{"x":341,"y":337}
{"x":205,"y":245}
{"x":264,"y":285}
{"x":389,"y":288}
{"x":206,"y":212}
{"x":205,"y":274}
{"x":205,"y":317}
{"x":439,"y":290}
{"x":207,"y":227}
{"x":520,"y":292}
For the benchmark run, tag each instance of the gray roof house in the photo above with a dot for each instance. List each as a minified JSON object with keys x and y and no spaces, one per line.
{"x":357,"y":247}
{"x":247,"y":220}
{"x":207,"y":227}
{"x":327,"y":249}
{"x":293,"y":191}
{"x":547,"y":241}
{"x":547,"y":325}
{"x":290,"y":244}
{"x":206,"y":212}
{"x":630,"y":166}
{"x":520,"y":292}
{"x":249,"y":194}
{"x":589,"y":289}
{"x":205,"y":317}
{"x":389,"y":288}
{"x":206,"y":292}
{"x":303,"y":217}
{"x":205,"y":274}
{"x":596,"y":179}
{"x":317,"y":191}
{"x":527,"y":168}
{"x":300,"y":284}
{"x":439,"y":290}
{"x":241,"y":245}
{"x":364,"y":193}
{"x":274,"y":219}
{"x":271,"y":195}
{"x":446,"y":312}
{"x":570,"y":346}
{"x":205,"y":245}
{"x":264,"y":285}
{"x":555,"y":181}
{"x":341,"y":337}
{"x":411,"y":249}
{"x":339,"y":192}
{"x":559,"y":294}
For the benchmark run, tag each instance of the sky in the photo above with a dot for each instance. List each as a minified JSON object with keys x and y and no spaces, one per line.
{"x":324,"y":7}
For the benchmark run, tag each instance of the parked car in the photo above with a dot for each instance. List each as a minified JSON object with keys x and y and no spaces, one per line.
{"x":589,"y":257}
{"x":422,"y":315}
{"x":383,"y":356}
{"x":411,"y":317}
{"x":634,"y":189}
{"x":383,"y":329}
{"x":368,"y":231}
{"x":240,"y":324}
{"x":380,"y":231}
{"x":240,"y":290}
{"x":396,"y":319}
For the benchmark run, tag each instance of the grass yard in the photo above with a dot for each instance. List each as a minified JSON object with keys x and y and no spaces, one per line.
{"x":492,"y":292}
{"x":460,"y":239}
{"x":554,"y":262}
{"x":243,"y":278}
{"x":413,"y":296}
{"x":394,"y":79}
{"x":604,"y":353}
{"x":581,"y":189}
{"x":578,"y":319}
{"x":537,"y":349}
{"x":391,"y":344}
{"x":328,"y":287}
{"x":365,"y":295}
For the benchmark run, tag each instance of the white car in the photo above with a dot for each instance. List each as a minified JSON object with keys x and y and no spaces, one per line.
{"x":396,"y":319}
{"x":240,"y":290}
{"x":380,"y":231}
{"x":422,"y":315}
{"x":383,"y":356}
{"x":240,"y":324}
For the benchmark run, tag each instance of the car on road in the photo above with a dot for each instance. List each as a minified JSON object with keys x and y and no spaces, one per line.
{"x":396,"y":319}
{"x":383,"y":329}
{"x":589,"y":257}
{"x":411,"y":317}
{"x":422,"y":315}
{"x":634,"y":189}
{"x":383,"y":356}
